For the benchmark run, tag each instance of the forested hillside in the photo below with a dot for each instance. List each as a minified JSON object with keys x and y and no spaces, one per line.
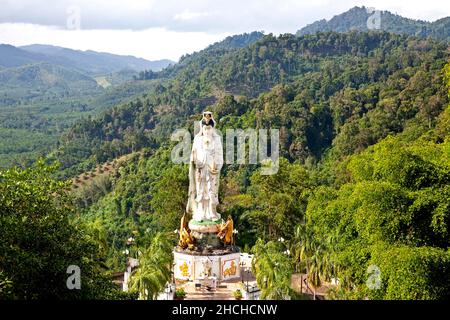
{"x":42,"y":80}
{"x":32,"y":120}
{"x":325,"y":87}
{"x":45,"y":89}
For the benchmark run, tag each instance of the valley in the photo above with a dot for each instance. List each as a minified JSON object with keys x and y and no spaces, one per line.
{"x":44,"y":90}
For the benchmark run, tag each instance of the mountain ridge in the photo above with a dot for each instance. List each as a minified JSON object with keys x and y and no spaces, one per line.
{"x":359,"y":18}
{"x":89,"y":61}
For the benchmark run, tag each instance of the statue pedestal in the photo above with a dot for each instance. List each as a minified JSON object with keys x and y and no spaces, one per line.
{"x":209,"y":257}
{"x":205,"y":233}
{"x":190,"y":266}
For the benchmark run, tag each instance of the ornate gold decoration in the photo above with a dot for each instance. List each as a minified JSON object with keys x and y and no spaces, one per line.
{"x":184,"y":268}
{"x":226,"y":231}
{"x":186,"y":239}
{"x":231,"y":271}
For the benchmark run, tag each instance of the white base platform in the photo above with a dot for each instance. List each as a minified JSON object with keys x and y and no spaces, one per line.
{"x":195,"y":267}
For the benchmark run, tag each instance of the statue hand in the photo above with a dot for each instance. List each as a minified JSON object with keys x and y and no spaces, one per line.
{"x":213,"y":170}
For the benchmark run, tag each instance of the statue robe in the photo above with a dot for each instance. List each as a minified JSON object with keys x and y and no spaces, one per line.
{"x":206,"y":154}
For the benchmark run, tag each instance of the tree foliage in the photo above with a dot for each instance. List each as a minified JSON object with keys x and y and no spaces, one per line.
{"x":38,"y":241}
{"x":154,"y":270}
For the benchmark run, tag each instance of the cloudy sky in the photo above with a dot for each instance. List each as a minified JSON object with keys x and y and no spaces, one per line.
{"x":157,"y":29}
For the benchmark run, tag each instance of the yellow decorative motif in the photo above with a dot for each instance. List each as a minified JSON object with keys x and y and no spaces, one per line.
{"x":184,"y":269}
{"x":231,"y":271}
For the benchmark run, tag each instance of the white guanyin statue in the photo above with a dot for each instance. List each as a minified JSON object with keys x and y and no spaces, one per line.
{"x":205,"y":164}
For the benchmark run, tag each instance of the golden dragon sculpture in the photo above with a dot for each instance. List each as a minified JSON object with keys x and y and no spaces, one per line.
{"x":186,"y":239}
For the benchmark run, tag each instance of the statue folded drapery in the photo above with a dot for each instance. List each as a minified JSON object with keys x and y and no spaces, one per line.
{"x":205,"y":164}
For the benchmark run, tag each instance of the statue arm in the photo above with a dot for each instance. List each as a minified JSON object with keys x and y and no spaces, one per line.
{"x":199,"y":163}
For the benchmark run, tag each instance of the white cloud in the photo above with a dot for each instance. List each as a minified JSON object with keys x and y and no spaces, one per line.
{"x":188,"y":15}
{"x":429,"y":10}
{"x":151,"y":44}
{"x":170,"y":28}
{"x":204,"y":15}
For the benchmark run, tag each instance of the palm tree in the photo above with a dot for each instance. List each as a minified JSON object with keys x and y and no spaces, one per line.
{"x":312,"y":256}
{"x":273,"y":270}
{"x":154,"y":270}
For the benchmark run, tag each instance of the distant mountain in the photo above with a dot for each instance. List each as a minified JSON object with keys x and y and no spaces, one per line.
{"x":11,"y":56}
{"x":358,"y":18}
{"x":90,"y":62}
{"x":97,"y":62}
{"x":43,"y":80}
{"x":37,"y":73}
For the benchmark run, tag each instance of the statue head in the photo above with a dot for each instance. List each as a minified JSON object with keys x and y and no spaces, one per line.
{"x":208,"y":119}
{"x":207,"y":124}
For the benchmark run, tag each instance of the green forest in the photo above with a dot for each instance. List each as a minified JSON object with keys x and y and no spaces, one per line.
{"x":363,"y":180}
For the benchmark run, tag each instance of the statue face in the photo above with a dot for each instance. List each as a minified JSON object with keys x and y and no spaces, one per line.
{"x":207,"y":119}
{"x":207,"y":116}
{"x":207,"y":130}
